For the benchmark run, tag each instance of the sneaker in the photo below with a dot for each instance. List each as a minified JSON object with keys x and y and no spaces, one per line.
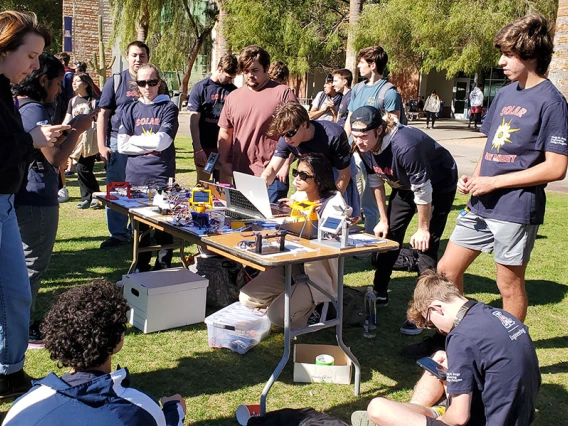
{"x":83,"y":205}
{"x":14,"y":385}
{"x":111,"y":242}
{"x":410,"y":329}
{"x":426,"y":347}
{"x":69,"y":173}
{"x":63,"y":195}
{"x":95,"y":204}
{"x":360,"y":418}
{"x":323,"y":312}
{"x":35,"y":339}
{"x":382,"y":301}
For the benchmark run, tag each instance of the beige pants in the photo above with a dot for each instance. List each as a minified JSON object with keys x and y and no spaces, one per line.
{"x":267,"y":290}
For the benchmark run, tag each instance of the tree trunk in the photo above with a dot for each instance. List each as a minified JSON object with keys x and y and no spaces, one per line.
{"x":220,"y":39}
{"x":351,"y":54}
{"x":143,"y":24}
{"x":558,"y":71}
{"x":191,"y":60}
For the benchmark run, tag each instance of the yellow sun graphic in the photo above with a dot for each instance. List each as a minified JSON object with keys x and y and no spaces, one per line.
{"x":150,"y":131}
{"x":502,"y":135}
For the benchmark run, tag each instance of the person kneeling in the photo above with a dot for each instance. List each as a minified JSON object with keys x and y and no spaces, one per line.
{"x":82,"y":331}
{"x":314,"y":182}
{"x":492,"y":374}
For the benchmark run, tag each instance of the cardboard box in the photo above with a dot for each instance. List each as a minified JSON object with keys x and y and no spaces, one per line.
{"x":160,"y":300}
{"x":306,"y":370}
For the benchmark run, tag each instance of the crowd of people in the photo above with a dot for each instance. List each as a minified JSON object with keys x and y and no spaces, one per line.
{"x":350,"y":142}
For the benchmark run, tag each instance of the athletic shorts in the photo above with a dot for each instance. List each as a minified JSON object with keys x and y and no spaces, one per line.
{"x":511,"y":243}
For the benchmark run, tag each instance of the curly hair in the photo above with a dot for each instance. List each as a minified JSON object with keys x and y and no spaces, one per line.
{"x":322,"y":170}
{"x":85,"y":325}
{"x":30,"y":86}
{"x":528,"y":38}
{"x":431,"y":286}
{"x":279,"y":72}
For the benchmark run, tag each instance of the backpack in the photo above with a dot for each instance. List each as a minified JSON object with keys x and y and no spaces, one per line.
{"x":295,"y":417}
{"x":353,"y":306}
{"x":381,"y":98}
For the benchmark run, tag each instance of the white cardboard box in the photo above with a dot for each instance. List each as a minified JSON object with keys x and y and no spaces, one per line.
{"x":160,"y":300}
{"x":306,"y":370}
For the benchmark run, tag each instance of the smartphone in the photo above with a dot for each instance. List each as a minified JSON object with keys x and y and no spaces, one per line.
{"x":433,"y":367}
{"x":210,"y":165}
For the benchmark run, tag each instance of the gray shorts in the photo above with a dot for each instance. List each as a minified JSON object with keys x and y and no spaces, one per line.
{"x":511,"y":243}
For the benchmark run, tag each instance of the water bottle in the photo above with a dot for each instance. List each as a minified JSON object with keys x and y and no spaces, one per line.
{"x":370,"y":327}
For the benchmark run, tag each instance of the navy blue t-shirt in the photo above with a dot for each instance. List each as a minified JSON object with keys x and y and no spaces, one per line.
{"x":208,"y":97}
{"x":329,"y":139}
{"x":521,"y":126}
{"x":139,"y":118}
{"x":413,"y":158}
{"x":40,"y":185}
{"x":116,"y":102}
{"x":343,"y":110}
{"x":491,"y":355}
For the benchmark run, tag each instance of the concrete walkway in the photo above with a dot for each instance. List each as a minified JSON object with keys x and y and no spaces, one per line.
{"x":466,"y":145}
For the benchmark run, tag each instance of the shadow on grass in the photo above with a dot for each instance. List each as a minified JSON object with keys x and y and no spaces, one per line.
{"x":553,"y":342}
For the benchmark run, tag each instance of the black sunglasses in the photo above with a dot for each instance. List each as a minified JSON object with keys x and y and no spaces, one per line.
{"x":291,"y":133}
{"x":302,"y":175}
{"x":151,"y":83}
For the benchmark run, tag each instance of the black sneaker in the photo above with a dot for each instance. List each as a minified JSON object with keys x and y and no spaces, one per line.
{"x":382,"y":301}
{"x":322,"y":313}
{"x":410,"y":329}
{"x":112,"y":242}
{"x":14,"y":385}
{"x":426,"y":347}
{"x":84,"y":204}
{"x":35,"y":339}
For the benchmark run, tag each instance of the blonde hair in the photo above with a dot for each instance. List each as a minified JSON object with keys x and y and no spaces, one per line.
{"x":431,"y":286}
{"x":163,"y":85}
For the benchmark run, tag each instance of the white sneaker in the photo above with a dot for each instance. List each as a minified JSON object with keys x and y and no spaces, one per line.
{"x":63,"y":195}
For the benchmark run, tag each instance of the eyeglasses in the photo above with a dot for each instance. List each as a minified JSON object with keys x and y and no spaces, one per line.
{"x":291,"y":133}
{"x":429,"y":324}
{"x":301,"y":175}
{"x":151,"y":83}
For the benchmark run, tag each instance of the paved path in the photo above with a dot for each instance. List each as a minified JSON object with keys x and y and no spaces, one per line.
{"x":464,"y":144}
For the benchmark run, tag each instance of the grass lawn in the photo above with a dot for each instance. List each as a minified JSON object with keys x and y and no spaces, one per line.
{"x":215,"y":381}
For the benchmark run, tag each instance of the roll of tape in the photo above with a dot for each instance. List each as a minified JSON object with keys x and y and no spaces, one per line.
{"x":325,"y":359}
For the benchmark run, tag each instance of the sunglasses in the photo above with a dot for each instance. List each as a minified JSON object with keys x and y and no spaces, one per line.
{"x":151,"y":83}
{"x":301,"y":175}
{"x":291,"y":133}
{"x":429,"y":324}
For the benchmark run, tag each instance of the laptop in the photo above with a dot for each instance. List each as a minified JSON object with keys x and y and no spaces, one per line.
{"x":254,"y":189}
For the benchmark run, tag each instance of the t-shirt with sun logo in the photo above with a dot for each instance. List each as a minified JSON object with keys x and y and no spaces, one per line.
{"x":521,"y":126}
{"x":146,"y":134}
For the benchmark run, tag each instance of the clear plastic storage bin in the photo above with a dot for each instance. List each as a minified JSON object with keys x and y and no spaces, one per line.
{"x":237,"y":328}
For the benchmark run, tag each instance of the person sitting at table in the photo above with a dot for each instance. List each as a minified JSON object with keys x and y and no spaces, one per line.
{"x":146,"y":134}
{"x":314,"y":182}
{"x":83,"y":330}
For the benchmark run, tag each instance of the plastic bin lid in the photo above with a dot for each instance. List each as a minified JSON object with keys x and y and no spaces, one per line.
{"x":237,"y":316}
{"x":167,"y":281}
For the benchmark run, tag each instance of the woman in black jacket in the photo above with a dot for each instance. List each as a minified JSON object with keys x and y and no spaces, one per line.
{"x":21,"y":42}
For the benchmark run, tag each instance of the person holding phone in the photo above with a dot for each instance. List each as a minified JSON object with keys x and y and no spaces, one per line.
{"x":492,"y":375}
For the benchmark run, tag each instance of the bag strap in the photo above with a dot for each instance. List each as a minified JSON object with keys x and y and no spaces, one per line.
{"x":463,"y":310}
{"x":117,"y":78}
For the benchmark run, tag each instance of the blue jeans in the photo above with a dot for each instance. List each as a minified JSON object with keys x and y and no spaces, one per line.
{"x":15,"y":297}
{"x":117,"y":223}
{"x":368,"y":200}
{"x":38,"y":227}
{"x":278,"y":190}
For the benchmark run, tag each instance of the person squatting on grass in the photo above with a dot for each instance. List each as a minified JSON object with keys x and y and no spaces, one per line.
{"x":493,"y":376}
{"x":22,"y":40}
{"x":527,"y":132}
{"x":83,"y":330}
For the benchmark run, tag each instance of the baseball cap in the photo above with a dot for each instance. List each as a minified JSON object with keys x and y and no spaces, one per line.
{"x":365,"y":118}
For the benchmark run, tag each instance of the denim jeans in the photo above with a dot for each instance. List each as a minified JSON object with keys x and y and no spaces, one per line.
{"x":117,"y":223}
{"x":15,"y":297}
{"x":278,"y":190}
{"x":368,"y":200}
{"x":38,"y":227}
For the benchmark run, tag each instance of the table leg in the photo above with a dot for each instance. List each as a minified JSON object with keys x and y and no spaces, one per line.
{"x":339,"y":326}
{"x":286,"y":355}
{"x":135,"y":243}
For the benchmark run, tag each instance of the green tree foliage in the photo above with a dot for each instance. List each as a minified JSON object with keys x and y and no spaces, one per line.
{"x":49,"y":13}
{"x":446,"y":35}
{"x":302,"y":33}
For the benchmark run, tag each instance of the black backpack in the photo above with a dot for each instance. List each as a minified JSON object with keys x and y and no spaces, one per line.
{"x":353,"y":306}
{"x":293,"y":417}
